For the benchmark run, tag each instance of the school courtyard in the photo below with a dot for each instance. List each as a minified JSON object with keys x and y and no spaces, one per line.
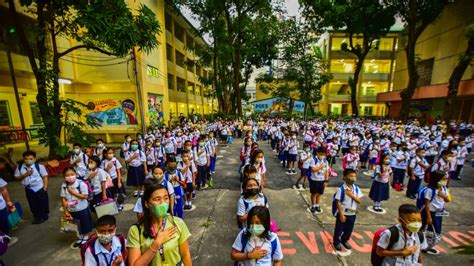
{"x":305,"y":238}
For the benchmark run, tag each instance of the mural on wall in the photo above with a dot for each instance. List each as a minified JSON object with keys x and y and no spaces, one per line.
{"x":113,"y":111}
{"x":277,"y":105}
{"x":155,"y":108}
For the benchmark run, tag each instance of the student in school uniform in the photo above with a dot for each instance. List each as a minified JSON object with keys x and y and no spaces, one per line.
{"x":251,"y":196}
{"x":306,"y":159}
{"x":293,"y":146}
{"x":150,"y":156}
{"x":108,"y":248}
{"x":352,"y":158}
{"x":5,"y":205}
{"x":170,"y":144}
{"x":258,"y":160}
{"x":96,"y":177}
{"x":99,"y":148}
{"x":180,"y":139}
{"x":318,"y":180}
{"x":402,"y":157}
{"x":189,"y":171}
{"x":202,"y":159}
{"x":74,"y":194}
{"x":174,"y":176}
{"x":159,"y":154}
{"x":125,"y":146}
{"x":332,"y":149}
{"x":346,"y":209}
{"x":443,"y":163}
{"x":407,"y":247}
{"x":435,"y":197}
{"x":431,"y":148}
{"x":137,"y":168}
{"x":284,"y":150}
{"x":256,"y":242}
{"x":380,"y":189}
{"x":114,"y":168}
{"x":213,"y":147}
{"x":461,"y":156}
{"x":34,"y":178}
{"x":418,"y":166}
{"x":79,"y":160}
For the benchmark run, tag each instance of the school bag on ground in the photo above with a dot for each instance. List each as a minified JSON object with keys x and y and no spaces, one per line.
{"x":90,"y":244}
{"x":244,"y":240}
{"x":377,"y":260}
{"x":15,"y":216}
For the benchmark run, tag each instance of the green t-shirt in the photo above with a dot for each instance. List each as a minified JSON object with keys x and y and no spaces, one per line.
{"x":171,"y":248}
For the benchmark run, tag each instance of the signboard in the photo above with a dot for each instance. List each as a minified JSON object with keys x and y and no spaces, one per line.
{"x":113,"y":111}
{"x":155,"y":108}
{"x":277,"y":105}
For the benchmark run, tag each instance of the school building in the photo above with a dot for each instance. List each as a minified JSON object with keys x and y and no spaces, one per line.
{"x":107,"y":85}
{"x":438,"y":49}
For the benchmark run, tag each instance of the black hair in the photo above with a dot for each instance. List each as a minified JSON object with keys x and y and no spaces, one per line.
{"x":435,"y":177}
{"x":106,"y":220}
{"x":263,"y":215}
{"x":407,"y":209}
{"x":419,"y":149}
{"x":28,"y":153}
{"x":322,"y":150}
{"x":126,"y":136}
{"x":245,"y":183}
{"x":97,"y":140}
{"x":67,"y":169}
{"x":146,"y":220}
{"x":96,"y":159}
{"x":253,"y":157}
{"x":77,"y":144}
{"x":248,"y":169}
{"x":171,"y":159}
{"x":382,"y":161}
{"x":150,"y":181}
{"x":446,"y":152}
{"x":348,"y":172}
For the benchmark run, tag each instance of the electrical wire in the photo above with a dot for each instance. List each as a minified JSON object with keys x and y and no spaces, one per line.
{"x":84,"y":64}
{"x":93,"y":60}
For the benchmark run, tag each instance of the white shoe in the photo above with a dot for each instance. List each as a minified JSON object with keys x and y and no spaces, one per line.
{"x":295,"y":187}
{"x":12,"y":241}
{"x":288,"y":172}
{"x":433,"y":251}
{"x":300,"y":187}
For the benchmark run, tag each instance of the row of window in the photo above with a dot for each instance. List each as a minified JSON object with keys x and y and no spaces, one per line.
{"x":179,"y":32}
{"x":370,"y":66}
{"x":6,"y":119}
{"x":180,"y":60}
{"x":383,"y":44}
{"x":182,"y":86}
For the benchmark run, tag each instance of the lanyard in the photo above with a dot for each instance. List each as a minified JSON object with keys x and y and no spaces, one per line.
{"x":107,"y":262}
{"x":162,"y":250}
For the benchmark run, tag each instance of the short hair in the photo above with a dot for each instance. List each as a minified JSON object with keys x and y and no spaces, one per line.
{"x":407,"y":209}
{"x":419,"y":149}
{"x":77,"y":144}
{"x":171,"y":159}
{"x":446,"y":152}
{"x":97,"y":140}
{"x":348,"y":172}
{"x":322,"y":150}
{"x":106,"y":220}
{"x":28,"y":153}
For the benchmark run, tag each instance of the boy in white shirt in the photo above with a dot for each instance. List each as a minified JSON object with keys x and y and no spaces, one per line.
{"x":292,"y":152}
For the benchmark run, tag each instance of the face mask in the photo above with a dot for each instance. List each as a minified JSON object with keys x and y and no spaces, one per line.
{"x":308,"y":150}
{"x":349,"y":181}
{"x":159,"y":210}
{"x":442,"y":183}
{"x":294,"y":137}
{"x":134,"y":147}
{"x":256,"y":229}
{"x":92,"y":165}
{"x":252,"y":192}
{"x":129,"y":139}
{"x":171,"y":168}
{"x":258,"y":160}
{"x":157,"y":144}
{"x":158,"y":177}
{"x":202,"y":144}
{"x":76,"y":151}
{"x":110,"y":156}
{"x":100,"y":145}
{"x":139,"y":137}
{"x":105,"y":239}
{"x":387,"y":161}
{"x":70,"y":179}
{"x":413,"y":227}
{"x":30,"y":162}
{"x":211,"y":135}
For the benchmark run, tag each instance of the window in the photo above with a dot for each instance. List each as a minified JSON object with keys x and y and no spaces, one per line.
{"x":179,"y":59}
{"x":169,"y":52}
{"x":342,"y":66}
{"x":4,"y":114}
{"x":204,"y":74}
{"x":425,"y":70}
{"x":179,"y":32}
{"x":189,"y":41}
{"x":191,"y":88}
{"x":386,"y":44}
{"x":171,"y":82}
{"x":169,"y":22}
{"x":181,"y":83}
{"x":198,"y":90}
{"x":198,"y":70}
{"x":368,"y":110}
{"x":338,"y":41}
{"x":35,"y":113}
{"x":377,"y":66}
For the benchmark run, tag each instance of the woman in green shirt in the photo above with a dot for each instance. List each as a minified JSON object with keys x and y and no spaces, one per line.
{"x":158,"y":238}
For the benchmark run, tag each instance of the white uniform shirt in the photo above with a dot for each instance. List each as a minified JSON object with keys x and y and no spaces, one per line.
{"x":80,"y":167}
{"x":404,"y":157}
{"x":383,"y":174}
{"x":34,"y":181}
{"x":97,"y":180}
{"x":321,"y":174}
{"x":201,"y":154}
{"x":307,"y":159}
{"x":77,"y":204}
{"x":116,"y":166}
{"x":349,"y":206}
{"x":3,"y":203}
{"x":188,"y":176}
{"x":265,"y":244}
{"x":170,"y":143}
{"x":139,"y":160}
{"x":294,"y":149}
{"x":437,"y":204}
{"x":105,"y":257}
{"x":150,"y":156}
{"x":416,"y":165}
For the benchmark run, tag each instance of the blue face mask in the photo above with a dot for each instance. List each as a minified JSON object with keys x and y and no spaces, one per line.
{"x":134,"y":147}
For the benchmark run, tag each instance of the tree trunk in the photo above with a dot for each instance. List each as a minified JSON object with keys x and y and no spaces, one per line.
{"x":454,"y":81}
{"x":407,"y":93}
{"x":237,"y":65}
{"x":353,"y":83}
{"x":291,"y":104}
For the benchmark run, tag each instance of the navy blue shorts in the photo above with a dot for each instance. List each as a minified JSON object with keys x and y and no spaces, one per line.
{"x":291,"y":157}
{"x":316,"y":187}
{"x":373,"y":160}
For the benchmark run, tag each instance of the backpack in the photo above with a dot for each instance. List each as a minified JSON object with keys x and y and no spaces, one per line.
{"x":344,"y":161}
{"x":343,"y":196}
{"x":420,"y":200}
{"x":377,"y":260}
{"x":246,"y":205}
{"x":90,"y":244}
{"x":36,"y":165}
{"x":244,"y":240}
{"x":427,"y":176}
{"x":90,"y":192}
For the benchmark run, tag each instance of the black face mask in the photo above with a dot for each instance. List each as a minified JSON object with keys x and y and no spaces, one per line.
{"x":252,"y":192}
{"x":172,"y":168}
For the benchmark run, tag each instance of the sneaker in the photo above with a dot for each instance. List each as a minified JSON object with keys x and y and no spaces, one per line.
{"x":318,"y":210}
{"x":300,"y":187}
{"x":281,"y":162}
{"x":141,"y":193}
{"x":433,"y":251}
{"x":288,"y":172}
{"x":135,"y":194}
{"x":12,"y":241}
{"x":120,"y":207}
{"x":346,"y":245}
{"x":205,"y":186}
{"x":312,"y":209}
{"x":295,"y":187}
{"x":378,"y":209}
{"x":77,"y":244}
{"x":338,"y":247}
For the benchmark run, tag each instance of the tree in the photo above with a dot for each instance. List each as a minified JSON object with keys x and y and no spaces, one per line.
{"x":465,"y":60}
{"x":107,"y":26}
{"x":365,"y":19}
{"x":416,"y":15}
{"x":302,"y":72}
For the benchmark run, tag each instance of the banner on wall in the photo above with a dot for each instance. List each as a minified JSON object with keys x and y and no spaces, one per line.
{"x":155,"y":108}
{"x":277,"y":105}
{"x":113,"y":111}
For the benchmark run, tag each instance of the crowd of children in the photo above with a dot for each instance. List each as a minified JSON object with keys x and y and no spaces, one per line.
{"x":176,"y":162}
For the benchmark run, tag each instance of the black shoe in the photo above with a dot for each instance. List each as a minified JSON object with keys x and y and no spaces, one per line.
{"x":411,"y":197}
{"x":378,"y":209}
{"x":338,"y":247}
{"x":318,"y":209}
{"x":40,"y":221}
{"x":346,"y":245}
{"x":312,"y":209}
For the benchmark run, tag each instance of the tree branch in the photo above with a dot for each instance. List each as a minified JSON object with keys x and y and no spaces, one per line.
{"x":86,"y":47}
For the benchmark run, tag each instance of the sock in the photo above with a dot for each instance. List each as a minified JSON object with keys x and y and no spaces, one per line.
{"x":316,"y":205}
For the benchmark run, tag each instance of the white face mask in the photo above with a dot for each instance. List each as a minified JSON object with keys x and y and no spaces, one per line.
{"x":76,"y":151}
{"x":30,"y":162}
{"x":442,"y":183}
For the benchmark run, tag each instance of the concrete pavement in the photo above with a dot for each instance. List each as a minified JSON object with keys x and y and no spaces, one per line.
{"x":305,"y":237}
